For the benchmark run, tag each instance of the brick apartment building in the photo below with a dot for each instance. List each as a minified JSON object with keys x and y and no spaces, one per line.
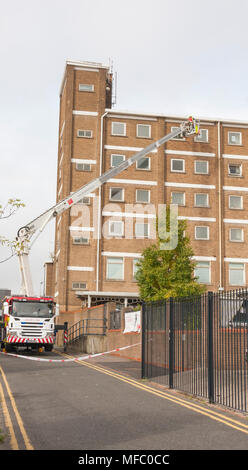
{"x":206,"y":175}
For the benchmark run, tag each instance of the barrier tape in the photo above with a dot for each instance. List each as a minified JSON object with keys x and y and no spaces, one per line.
{"x":74,"y":359}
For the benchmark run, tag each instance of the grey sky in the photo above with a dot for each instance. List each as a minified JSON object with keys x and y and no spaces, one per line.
{"x":172,"y":57}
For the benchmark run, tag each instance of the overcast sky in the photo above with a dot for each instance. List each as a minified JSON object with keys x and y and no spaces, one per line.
{"x":172,"y":57}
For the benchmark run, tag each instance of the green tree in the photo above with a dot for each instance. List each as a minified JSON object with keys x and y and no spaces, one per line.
{"x":6,"y":211}
{"x":164,"y":273}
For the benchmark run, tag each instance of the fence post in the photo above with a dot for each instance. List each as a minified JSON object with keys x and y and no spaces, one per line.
{"x":143,"y":339}
{"x":65,"y":335}
{"x":171,"y":343}
{"x":210,"y":348}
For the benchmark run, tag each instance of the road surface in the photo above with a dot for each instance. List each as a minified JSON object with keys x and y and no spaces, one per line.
{"x":103,"y":405}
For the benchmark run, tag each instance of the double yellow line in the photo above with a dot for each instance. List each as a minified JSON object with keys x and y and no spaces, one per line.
{"x":7,"y":417}
{"x":239,"y":426}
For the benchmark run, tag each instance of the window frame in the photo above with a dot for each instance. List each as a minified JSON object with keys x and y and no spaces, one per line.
{"x":110,"y":259}
{"x":242,"y":234}
{"x":113,"y":234}
{"x":134,"y":261}
{"x":116,"y":155}
{"x":177,"y":138}
{"x":177,"y":160}
{"x":205,"y":263}
{"x":200,"y":172}
{"x":235,"y":164}
{"x":197,"y":138}
{"x":148,"y":230}
{"x":200,"y":194}
{"x":85,"y":136}
{"x":144,"y":169}
{"x":83,"y":169}
{"x":141,"y":136}
{"x":116,"y":200}
{"x":114,"y":133}
{"x":233,"y":269}
{"x":235,"y":208}
{"x":184,"y":198}
{"x":147,"y":191}
{"x":87,"y":85}
{"x":234,"y":132}
{"x":202,"y":226}
{"x":79,"y":288}
{"x":81,"y":201}
{"x":80,"y":243}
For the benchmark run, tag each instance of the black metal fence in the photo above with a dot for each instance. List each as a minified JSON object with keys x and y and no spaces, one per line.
{"x":199,"y":345}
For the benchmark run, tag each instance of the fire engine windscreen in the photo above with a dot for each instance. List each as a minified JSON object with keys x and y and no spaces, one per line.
{"x":32,"y":309}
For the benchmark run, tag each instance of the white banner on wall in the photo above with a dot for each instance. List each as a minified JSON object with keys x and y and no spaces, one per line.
{"x":132,"y":322}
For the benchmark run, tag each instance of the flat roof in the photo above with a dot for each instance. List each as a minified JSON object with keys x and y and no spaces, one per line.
{"x":175,"y":117}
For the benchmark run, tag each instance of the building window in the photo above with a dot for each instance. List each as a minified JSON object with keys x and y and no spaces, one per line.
{"x":179,"y":136}
{"x":86,"y":87}
{"x":116,"y":228}
{"x":80,"y":241}
{"x":234,"y":170}
{"x":202,"y":233}
{"x":202,"y":272}
{"x":236,"y":235}
{"x":85,"y":133}
{"x":177,"y":165}
{"x":143,"y":130}
{"x":178,"y":198}
{"x":142,"y":195}
{"x":141,"y":230}
{"x":116,"y":160}
{"x":115,"y":269}
{"x":83,"y":167}
{"x":234,"y":138}
{"x":201,"y":167}
{"x":116,"y":194}
{"x":201,"y":200}
{"x":144,"y":163}
{"x":79,"y":285}
{"x":202,"y":136}
{"x":236,"y":274}
{"x":85,"y":200}
{"x":119,"y":128}
{"x":135,"y":267}
{"x":235,"y":202}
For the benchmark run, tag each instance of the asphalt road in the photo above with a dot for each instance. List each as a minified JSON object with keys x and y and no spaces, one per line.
{"x":104,"y":406}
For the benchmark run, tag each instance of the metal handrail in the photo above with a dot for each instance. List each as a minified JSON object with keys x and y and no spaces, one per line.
{"x":84,"y":328}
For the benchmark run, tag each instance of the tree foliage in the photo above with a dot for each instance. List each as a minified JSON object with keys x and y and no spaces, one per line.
{"x":168,"y":273}
{"x":6,"y":211}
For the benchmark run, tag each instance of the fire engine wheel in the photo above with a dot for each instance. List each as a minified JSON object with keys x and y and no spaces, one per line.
{"x":8,"y":347}
{"x":49,"y":347}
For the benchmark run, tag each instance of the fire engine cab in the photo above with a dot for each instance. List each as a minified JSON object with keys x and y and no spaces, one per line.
{"x":28,"y":322}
